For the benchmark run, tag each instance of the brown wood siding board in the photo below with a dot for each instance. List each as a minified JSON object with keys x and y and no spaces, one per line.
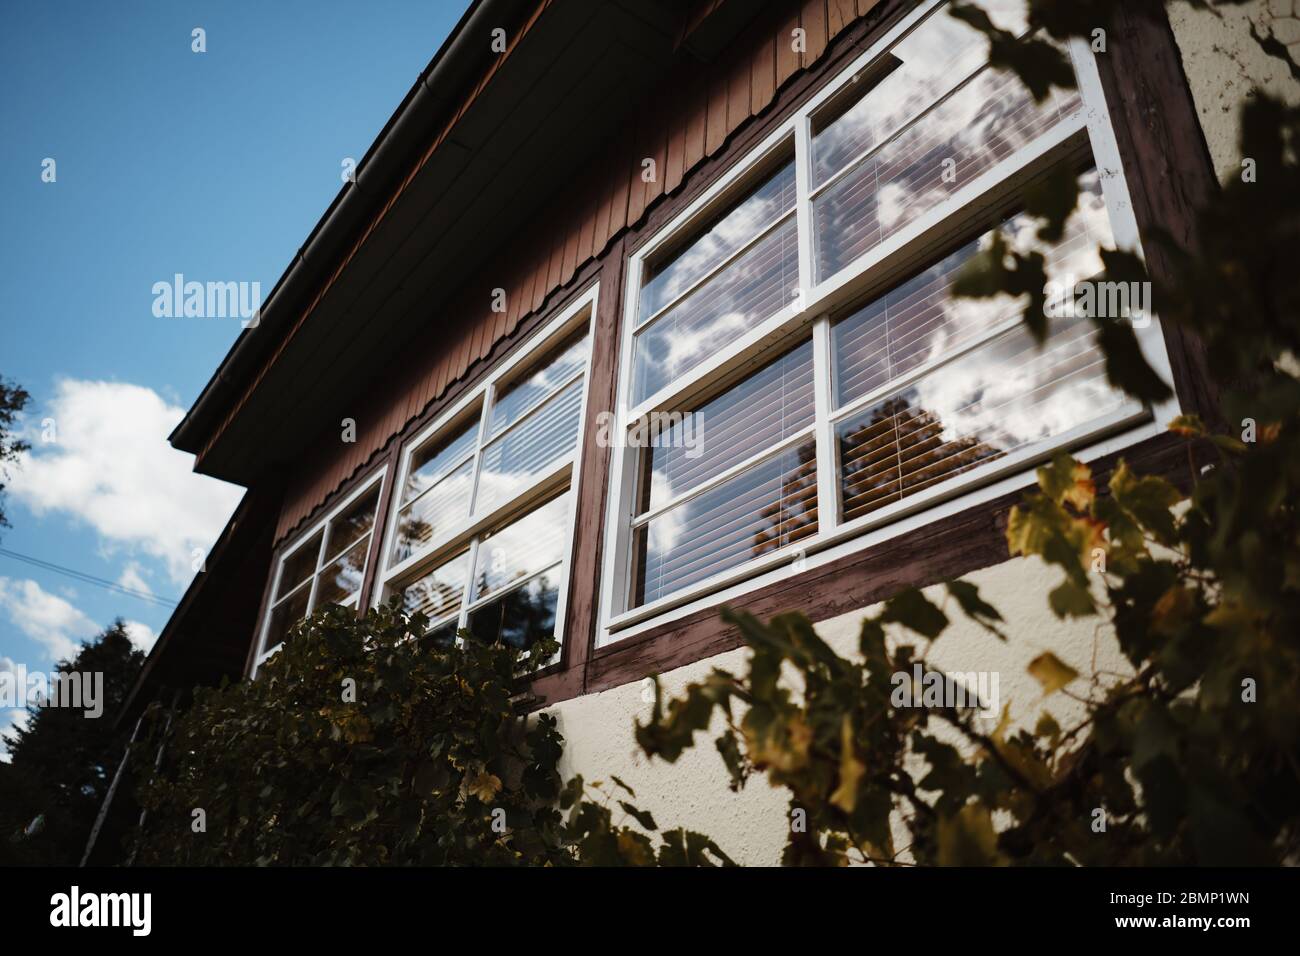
{"x":812,"y":17}
{"x":716,"y":131}
{"x":866,"y":6}
{"x":763,"y":73}
{"x":738,"y":95}
{"x":619,"y":196}
{"x":662,"y":115}
{"x":675,"y":148}
{"x":840,"y":14}
{"x":695,"y":124}
{"x":787,"y":59}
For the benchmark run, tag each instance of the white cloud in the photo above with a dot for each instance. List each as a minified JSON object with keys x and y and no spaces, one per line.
{"x":45,"y":618}
{"x":141,"y":635}
{"x":133,"y":579}
{"x":112,"y":468}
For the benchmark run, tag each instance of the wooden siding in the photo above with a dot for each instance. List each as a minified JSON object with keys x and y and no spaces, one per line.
{"x":696,"y":112}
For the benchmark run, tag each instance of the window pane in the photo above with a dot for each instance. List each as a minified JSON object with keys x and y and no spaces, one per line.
{"x":728,"y":232}
{"x":514,"y":400}
{"x":341,"y":579}
{"x":990,"y":117}
{"x":520,"y":617}
{"x":532,"y":543}
{"x":917,"y":71}
{"x":515,"y":459}
{"x":436,"y":457}
{"x":920,"y":321}
{"x":770,"y":405}
{"x":299,"y":566}
{"x":762,"y":509}
{"x":286,"y":614}
{"x":439,"y":592}
{"x":993,"y":401}
{"x":437,"y":511}
{"x":752,"y":288}
{"x":353,"y":522}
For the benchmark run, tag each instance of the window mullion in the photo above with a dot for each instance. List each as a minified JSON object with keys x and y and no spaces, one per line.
{"x":485,"y":415}
{"x":803,"y":205}
{"x":828,"y":512}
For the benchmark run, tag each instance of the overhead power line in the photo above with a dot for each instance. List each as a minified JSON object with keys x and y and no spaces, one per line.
{"x":90,"y":579}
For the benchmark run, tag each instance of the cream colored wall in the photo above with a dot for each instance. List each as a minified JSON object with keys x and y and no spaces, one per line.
{"x":1224,"y":64}
{"x":751,"y":826}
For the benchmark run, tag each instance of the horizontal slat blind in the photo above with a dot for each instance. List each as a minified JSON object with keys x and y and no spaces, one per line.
{"x":762,"y":509}
{"x":515,"y":400}
{"x":529,"y":545}
{"x":439,"y":592}
{"x":919,"y":321}
{"x":938,"y":55}
{"x":341,"y":578}
{"x":755,"y":286}
{"x":728,"y":232}
{"x":439,"y":509}
{"x":757,"y":413}
{"x":1001,"y":397}
{"x":436,"y":457}
{"x":988,"y":119}
{"x":511,"y":462}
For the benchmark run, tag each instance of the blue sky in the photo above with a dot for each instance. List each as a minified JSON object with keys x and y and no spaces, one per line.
{"x":215,"y":165}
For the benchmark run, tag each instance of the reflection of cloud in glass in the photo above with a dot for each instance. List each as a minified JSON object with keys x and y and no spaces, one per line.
{"x":752,"y":288}
{"x":727,"y":234}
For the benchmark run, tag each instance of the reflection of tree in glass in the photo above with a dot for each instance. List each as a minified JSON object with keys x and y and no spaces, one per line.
{"x":794,"y":514}
{"x":896,"y":449}
{"x":519,"y":618}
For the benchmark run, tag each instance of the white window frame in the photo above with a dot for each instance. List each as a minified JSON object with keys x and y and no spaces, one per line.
{"x":465,"y":535}
{"x":263,"y":633}
{"x":889,"y":262}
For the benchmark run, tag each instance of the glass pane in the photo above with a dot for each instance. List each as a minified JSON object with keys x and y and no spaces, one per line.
{"x":299,"y":566}
{"x":515,"y":459}
{"x":917,"y":71}
{"x":770,"y":405}
{"x":920,"y":321}
{"x":521,"y":617}
{"x":286,"y":614}
{"x":764,"y":508}
{"x":354,"y":521}
{"x":514,"y":400}
{"x":1000,"y":398}
{"x":752,"y":288}
{"x":439,"y":592}
{"x":674,"y":274}
{"x":988,"y":119}
{"x":534,"y":542}
{"x":436,"y":457}
{"x":439,"y":509}
{"x":341,"y":579}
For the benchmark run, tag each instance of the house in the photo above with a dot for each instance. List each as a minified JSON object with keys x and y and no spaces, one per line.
{"x":637,"y":309}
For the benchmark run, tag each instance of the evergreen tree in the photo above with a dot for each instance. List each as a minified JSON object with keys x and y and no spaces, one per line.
{"x":62,"y":763}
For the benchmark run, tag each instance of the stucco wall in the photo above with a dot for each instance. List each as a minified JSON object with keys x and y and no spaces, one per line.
{"x":751,"y":826}
{"x":1224,"y":64}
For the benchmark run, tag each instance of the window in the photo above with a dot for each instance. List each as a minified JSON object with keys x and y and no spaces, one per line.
{"x":794,"y":331}
{"x":326,"y":566}
{"x":483,"y":521}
